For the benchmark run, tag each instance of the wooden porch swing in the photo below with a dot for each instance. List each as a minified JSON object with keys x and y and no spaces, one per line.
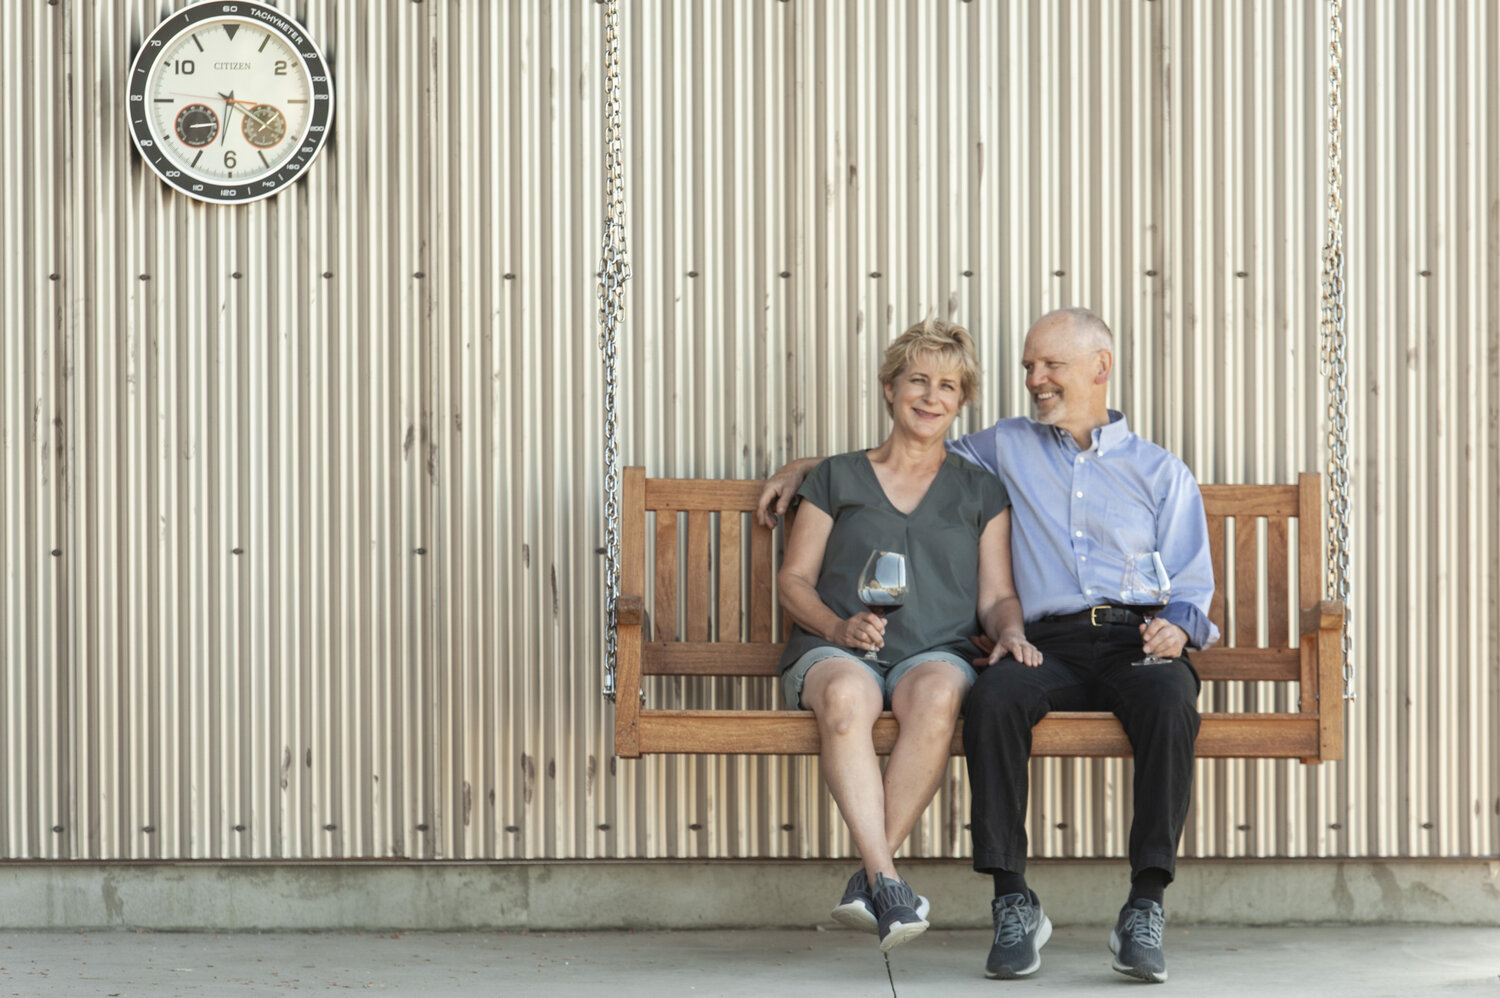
{"x":691,"y":574}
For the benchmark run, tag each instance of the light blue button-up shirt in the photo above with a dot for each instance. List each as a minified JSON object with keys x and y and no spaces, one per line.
{"x":1077,"y":513}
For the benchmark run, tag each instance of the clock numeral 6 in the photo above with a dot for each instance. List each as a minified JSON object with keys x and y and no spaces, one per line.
{"x":229,"y":160}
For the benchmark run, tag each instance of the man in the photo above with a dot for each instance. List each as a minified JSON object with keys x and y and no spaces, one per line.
{"x":1086,"y":493}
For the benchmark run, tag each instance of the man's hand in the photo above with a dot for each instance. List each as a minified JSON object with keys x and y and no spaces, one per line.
{"x":780,"y":489}
{"x":1017,"y":647}
{"x":1161,"y":637}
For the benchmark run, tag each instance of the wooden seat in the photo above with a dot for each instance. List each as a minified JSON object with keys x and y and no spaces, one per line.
{"x":711,"y":611}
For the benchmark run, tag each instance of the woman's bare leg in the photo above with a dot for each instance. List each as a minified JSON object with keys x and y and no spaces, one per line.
{"x":847,"y":700}
{"x":926,"y":703}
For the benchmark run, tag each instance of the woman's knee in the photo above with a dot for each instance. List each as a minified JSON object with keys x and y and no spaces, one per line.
{"x":843,"y":698}
{"x":930,"y":694}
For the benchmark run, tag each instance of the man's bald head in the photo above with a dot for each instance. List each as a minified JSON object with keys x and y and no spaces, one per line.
{"x":1081,"y":325}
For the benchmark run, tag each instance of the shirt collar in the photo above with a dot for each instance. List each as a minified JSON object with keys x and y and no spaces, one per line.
{"x":1106,"y":438}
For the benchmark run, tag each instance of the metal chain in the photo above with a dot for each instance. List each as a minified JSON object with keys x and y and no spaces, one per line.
{"x":1334,"y":345}
{"x":614,"y":271}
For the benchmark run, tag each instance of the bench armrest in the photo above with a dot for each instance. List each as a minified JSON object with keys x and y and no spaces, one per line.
{"x":1327,"y":615}
{"x":630,"y":610}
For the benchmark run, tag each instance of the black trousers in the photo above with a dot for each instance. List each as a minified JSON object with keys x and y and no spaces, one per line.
{"x":1083,"y":668}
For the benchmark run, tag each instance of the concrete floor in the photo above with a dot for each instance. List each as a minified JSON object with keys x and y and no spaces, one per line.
{"x":1364,"y":961}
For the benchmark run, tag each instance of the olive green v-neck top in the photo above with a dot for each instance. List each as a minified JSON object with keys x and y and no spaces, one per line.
{"x":940,"y":539}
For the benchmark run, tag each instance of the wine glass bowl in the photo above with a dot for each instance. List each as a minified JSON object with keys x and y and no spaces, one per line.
{"x":883,"y":586}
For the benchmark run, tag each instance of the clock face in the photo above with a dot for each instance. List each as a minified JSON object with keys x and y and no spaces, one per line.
{"x":230,"y":102}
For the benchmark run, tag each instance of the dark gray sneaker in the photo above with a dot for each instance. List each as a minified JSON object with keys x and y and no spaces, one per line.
{"x":1136,"y":941}
{"x":1021,"y":930}
{"x":856,"y":908}
{"x":896,"y":913}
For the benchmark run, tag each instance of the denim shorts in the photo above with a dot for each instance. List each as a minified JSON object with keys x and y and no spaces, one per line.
{"x":886,"y":675}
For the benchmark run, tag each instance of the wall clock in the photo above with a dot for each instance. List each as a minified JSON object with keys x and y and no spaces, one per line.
{"x":229,"y":102}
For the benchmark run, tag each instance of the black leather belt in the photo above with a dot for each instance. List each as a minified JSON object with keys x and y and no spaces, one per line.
{"x":1098,"y":616}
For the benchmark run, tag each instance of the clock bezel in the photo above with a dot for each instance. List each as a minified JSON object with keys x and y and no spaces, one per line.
{"x":214,"y":190}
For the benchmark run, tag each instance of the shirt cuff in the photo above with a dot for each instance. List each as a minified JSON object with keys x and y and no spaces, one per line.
{"x":1200,"y":630}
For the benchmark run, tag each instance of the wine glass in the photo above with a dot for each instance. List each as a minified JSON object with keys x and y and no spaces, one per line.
{"x":1146,"y":585}
{"x":882,"y":586}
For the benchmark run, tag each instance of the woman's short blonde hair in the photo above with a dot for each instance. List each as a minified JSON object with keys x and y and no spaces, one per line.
{"x":949,"y":342}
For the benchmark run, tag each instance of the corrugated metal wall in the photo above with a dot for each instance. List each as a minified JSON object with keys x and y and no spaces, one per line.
{"x":301,"y":509}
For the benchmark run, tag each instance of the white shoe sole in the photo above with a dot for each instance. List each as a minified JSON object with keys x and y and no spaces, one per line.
{"x":857,"y":914}
{"x":905,"y":932}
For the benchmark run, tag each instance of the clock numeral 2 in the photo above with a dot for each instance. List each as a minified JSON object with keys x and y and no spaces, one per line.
{"x":280,"y":67}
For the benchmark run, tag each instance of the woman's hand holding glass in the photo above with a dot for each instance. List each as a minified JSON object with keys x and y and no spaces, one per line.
{"x":864,"y":631}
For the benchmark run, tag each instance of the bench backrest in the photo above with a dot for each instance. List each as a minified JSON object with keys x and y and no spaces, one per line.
{"x":711,"y":601}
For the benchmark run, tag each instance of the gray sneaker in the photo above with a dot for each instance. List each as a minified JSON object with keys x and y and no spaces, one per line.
{"x":1021,"y":930}
{"x":856,"y":908}
{"x":896,"y":913}
{"x":1136,"y":941}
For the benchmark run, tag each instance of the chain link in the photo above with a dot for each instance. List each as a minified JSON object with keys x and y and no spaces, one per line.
{"x":1334,"y":346}
{"x":614,"y":271}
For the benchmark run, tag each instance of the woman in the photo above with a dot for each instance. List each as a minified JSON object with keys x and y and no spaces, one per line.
{"x":952,"y":521}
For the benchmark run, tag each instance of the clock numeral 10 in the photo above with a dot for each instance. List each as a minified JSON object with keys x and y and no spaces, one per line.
{"x":185,"y":67}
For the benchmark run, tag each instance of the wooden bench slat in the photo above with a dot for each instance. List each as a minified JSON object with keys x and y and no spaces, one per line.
{"x":1216,"y":611}
{"x":1246,"y":582}
{"x":696,"y":584}
{"x":760,"y":583}
{"x":1278,"y":578}
{"x":686,"y":658}
{"x":729,"y":575}
{"x":664,"y":610}
{"x":1250,"y":500}
{"x":707,"y":494}
{"x":791,"y":732}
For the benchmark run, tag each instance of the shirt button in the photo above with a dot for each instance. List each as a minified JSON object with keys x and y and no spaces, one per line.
{"x":1078,"y":494}
{"x":1083,"y":557}
{"x":1078,"y":533}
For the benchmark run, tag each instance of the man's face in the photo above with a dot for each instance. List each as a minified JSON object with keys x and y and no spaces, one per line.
{"x":1061,"y":373}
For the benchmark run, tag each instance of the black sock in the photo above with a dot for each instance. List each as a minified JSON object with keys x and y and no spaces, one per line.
{"x":1150,"y":883}
{"x":1009,"y":883}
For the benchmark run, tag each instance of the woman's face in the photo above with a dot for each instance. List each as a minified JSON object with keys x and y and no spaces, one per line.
{"x":926,"y":396}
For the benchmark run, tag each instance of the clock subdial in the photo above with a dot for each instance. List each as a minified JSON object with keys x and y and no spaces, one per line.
{"x":196,"y":125}
{"x":264,"y":125}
